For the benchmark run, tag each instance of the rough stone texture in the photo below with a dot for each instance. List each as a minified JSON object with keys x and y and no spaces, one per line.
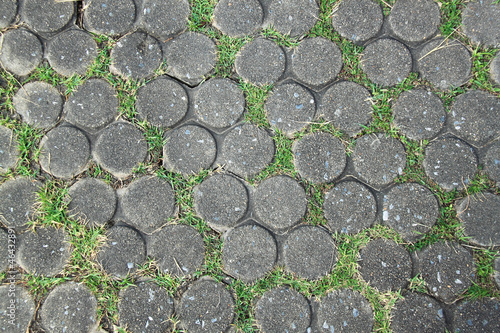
{"x":8,"y":8}
{"x":21,"y":51}
{"x":495,"y":69}
{"x":476,"y":316}
{"x":417,"y":313}
{"x":165,"y":18}
{"x":280,"y":202}
{"x":450,"y":162}
{"x":492,"y":162}
{"x":282,"y":310}
{"x":23,"y":311}
{"x":189,"y":149}
{"x":481,"y":24}
{"x":447,"y":269}
{"x":378,"y":159}
{"x":237,"y":18}
{"x":350,"y":207}
{"x":445,"y":63}
{"x":221,"y":201}
{"x":386,"y":62}
{"x":145,"y":307}
{"x":70,"y":307}
{"x":260,"y":62}
{"x":385,"y":265}
{"x":248,"y":252}
{"x":358,"y":20}
{"x":47,"y":16}
{"x":415,"y":21}
{"x":319,"y":157}
{"x":496,"y":267}
{"x":293,"y":17}
{"x":4,"y":250}
{"x":178,"y":249}
{"x":162,"y":102}
{"x":9,"y":151}
{"x":17,"y":206}
{"x":39,"y":103}
{"x":411,"y":210}
{"x":479,"y":217}
{"x":309,"y":252}
{"x":109,"y":17}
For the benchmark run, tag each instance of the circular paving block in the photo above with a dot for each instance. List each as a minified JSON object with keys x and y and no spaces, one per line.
{"x":481,"y":24}
{"x":385,"y":265}
{"x":70,"y":307}
{"x":495,"y":69}
{"x":17,"y":308}
{"x":120,"y":148}
{"x":145,"y":307}
{"x":358,"y":20}
{"x":189,"y":149}
{"x":249,"y":252}
{"x":136,"y":56}
{"x":386,"y":62}
{"x":479,"y":217}
{"x":492,"y":162}
{"x":72,"y":52}
{"x":293,"y":17}
{"x":39,"y":103}
{"x":9,"y":151}
{"x":4,"y":250}
{"x":476,"y":316}
{"x":8,"y":8}
{"x":221,"y":201}
{"x":344,"y":310}
{"x":237,"y":18}
{"x":378,"y":159}
{"x":290,"y":108}
{"x":207,"y":306}
{"x":417,"y":313}
{"x":415,"y":21}
{"x":411,"y":210}
{"x":219,"y":103}
{"x":93,"y":106}
{"x":247,"y":150}
{"x":450,"y":162}
{"x":316,"y":61}
{"x":260,"y":62}
{"x":319,"y":157}
{"x":147,"y":203}
{"x":280,"y":202}
{"x":21,"y":51}
{"x":445,"y":63}
{"x":447,"y":268}
{"x":17,"y":206}
{"x":178,"y":249}
{"x":47,"y":16}
{"x":347,"y":106}
{"x":161,"y":102}
{"x":163,"y":19}
{"x":108,"y":16}
{"x":282,"y":310}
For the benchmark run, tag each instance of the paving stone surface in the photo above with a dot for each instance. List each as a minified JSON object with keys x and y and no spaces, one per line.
{"x":492,"y":162}
{"x":109,"y":17}
{"x":8,"y":8}
{"x":4,"y":250}
{"x":417,"y":313}
{"x":21,"y":51}
{"x":481,"y":24}
{"x":9,"y":151}
{"x":495,"y":70}
{"x":358,"y":20}
{"x":476,"y":316}
{"x":15,"y":317}
{"x":293,"y":17}
{"x":496,"y":267}
{"x":49,"y":16}
{"x":415,"y":21}
{"x":237,"y":18}
{"x":164,"y":19}
{"x":17,"y":206}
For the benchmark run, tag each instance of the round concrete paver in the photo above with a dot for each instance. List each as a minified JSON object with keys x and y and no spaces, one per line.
{"x":476,"y":316}
{"x":414,"y":21}
{"x":282,"y":310}
{"x":108,"y":17}
{"x":358,"y":20}
{"x":293,"y":17}
{"x":39,"y":103}
{"x":417,"y":313}
{"x":6,"y":259}
{"x":249,"y":252}
{"x":495,"y":70}
{"x":221,"y":201}
{"x":280,"y":202}
{"x":21,"y":51}
{"x":9,"y":151}
{"x":492,"y":162}
{"x":178,"y":249}
{"x":49,"y":16}
{"x":8,"y":8}
{"x":17,"y":206}
{"x":237,"y":18}
{"x":481,"y":24}
{"x":163,"y":19}
{"x":450,"y":162}
{"x":17,"y":308}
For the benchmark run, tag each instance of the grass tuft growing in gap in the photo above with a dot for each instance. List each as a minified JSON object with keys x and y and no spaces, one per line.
{"x":255,"y":99}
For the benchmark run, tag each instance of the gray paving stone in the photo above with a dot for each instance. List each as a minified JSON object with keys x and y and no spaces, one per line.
{"x":47,"y":16}
{"x":92,"y":106}
{"x":378,"y":159}
{"x":207,"y":306}
{"x":249,"y":252}
{"x":479,"y":217}
{"x":221,"y":201}
{"x":8,"y":8}
{"x":293,"y":17}
{"x":411,"y":210}
{"x":120,"y":148}
{"x":178,"y":249}
{"x":282,"y":309}
{"x":445,"y":63}
{"x":237,"y":18}
{"x":495,"y":69}
{"x":189,"y":149}
{"x":415,"y":21}
{"x":70,"y":307}
{"x":309,"y":252}
{"x":260,"y":62}
{"x":162,"y":102}
{"x":319,"y":157}
{"x":346,"y":105}
{"x":350,"y":207}
{"x":290,"y":108}
{"x":447,"y":269}
{"x":496,"y":274}
{"x":386,"y":62}
{"x":15,"y":317}
{"x":39,"y":104}
{"x":145,"y":307}
{"x":72,"y":52}
{"x":219,"y":103}
{"x":476,"y":316}
{"x":21,"y":51}
{"x":9,"y":151}
{"x":163,"y":19}
{"x":358,"y":20}
{"x":280,"y":202}
{"x":109,"y":17}
{"x":190,"y":57}
{"x":147,"y":203}
{"x":481,"y":23}
{"x":316,"y":61}
{"x":17,"y":206}
{"x":417,"y":313}
{"x":492,"y":162}
{"x":450,"y":162}
{"x":136,"y":56}
{"x":4,"y":250}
